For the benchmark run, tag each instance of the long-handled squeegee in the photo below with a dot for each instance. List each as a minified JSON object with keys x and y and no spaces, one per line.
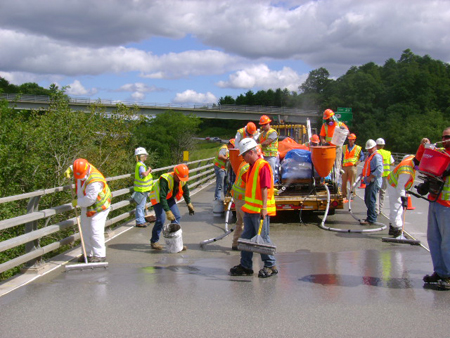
{"x":257,"y":243}
{"x":401,"y":239}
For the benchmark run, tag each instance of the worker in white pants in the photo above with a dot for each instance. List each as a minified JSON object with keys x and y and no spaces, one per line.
{"x":94,"y":232}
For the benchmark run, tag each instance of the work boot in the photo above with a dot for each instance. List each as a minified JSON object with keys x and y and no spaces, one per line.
{"x":395,"y":232}
{"x":97,"y":259}
{"x":156,"y":246}
{"x":239,"y":270}
{"x":444,"y":283}
{"x":365,"y":222}
{"x":81,"y":259}
{"x":268,"y":272}
{"x":433,"y":279}
{"x":142,"y":225}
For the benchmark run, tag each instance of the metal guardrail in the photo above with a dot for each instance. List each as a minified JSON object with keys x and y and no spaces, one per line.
{"x":200,"y":171}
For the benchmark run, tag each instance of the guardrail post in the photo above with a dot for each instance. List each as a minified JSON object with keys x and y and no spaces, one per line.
{"x":33,"y":206}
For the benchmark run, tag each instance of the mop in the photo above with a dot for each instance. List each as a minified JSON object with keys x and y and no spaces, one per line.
{"x":85,"y":265}
{"x":257,"y":243}
{"x":401,"y":239}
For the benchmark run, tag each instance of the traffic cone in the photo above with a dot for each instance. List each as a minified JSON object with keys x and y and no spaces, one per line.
{"x":410,"y":207}
{"x":362,"y":185}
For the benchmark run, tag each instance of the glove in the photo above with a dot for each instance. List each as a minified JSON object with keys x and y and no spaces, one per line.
{"x":170,"y":216}
{"x":68,"y":171}
{"x":74,"y":203}
{"x":191,"y":209}
{"x":404,"y":201}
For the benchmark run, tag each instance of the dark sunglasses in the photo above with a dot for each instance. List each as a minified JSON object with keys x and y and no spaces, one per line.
{"x":446,"y":137}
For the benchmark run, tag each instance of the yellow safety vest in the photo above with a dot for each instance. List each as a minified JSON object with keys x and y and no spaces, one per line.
{"x":142,"y":184}
{"x":103,"y":201}
{"x":154,"y":194}
{"x":238,"y":189}
{"x":327,"y":136}
{"x":218,"y":162}
{"x":386,"y":161}
{"x":271,"y":149}
{"x":405,"y":167}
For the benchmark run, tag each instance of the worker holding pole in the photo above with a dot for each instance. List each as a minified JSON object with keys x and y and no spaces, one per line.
{"x":94,"y":198}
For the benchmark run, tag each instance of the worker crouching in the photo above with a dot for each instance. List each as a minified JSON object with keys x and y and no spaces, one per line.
{"x":259,"y":204}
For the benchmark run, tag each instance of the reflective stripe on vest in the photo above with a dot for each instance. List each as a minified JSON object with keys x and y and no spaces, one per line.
{"x":386,"y":154}
{"x":404,"y":167}
{"x":218,"y":162}
{"x":271,"y":149}
{"x":351,"y":157}
{"x":238,"y":189}
{"x":154,"y":194}
{"x":142,"y":184}
{"x":103,"y":201}
{"x":253,"y":197}
{"x":366,"y":170}
{"x":329,"y":137}
{"x":243,"y":133}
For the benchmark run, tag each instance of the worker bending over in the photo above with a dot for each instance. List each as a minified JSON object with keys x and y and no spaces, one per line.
{"x":248,"y":131}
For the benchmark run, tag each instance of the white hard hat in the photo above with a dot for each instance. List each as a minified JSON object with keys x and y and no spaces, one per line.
{"x":140,"y":151}
{"x":380,"y":142}
{"x":246,"y":144}
{"x":370,"y":144}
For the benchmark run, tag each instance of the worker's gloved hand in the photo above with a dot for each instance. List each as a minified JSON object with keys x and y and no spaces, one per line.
{"x":191,"y":209}
{"x":74,"y":203}
{"x":404,"y":201}
{"x":342,"y":171}
{"x":170,"y":216}
{"x":68,"y":172}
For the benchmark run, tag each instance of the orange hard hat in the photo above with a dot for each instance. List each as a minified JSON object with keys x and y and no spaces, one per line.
{"x":327,"y":114}
{"x":80,"y":168}
{"x":251,"y":128}
{"x":264,"y":120}
{"x":232,"y":142}
{"x":314,"y":139}
{"x":352,"y":136}
{"x":182,"y":172}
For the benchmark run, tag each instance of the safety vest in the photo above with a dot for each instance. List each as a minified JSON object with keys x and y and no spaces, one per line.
{"x":404,"y":167}
{"x":154,"y":194}
{"x":103,"y":201}
{"x":444,"y":197}
{"x":217,"y":161}
{"x":238,"y":189}
{"x":142,"y":184}
{"x":351,"y":157}
{"x":329,"y":131}
{"x":253,"y":197}
{"x":243,"y":133}
{"x":386,"y":154}
{"x":271,"y":149}
{"x":366,"y":170}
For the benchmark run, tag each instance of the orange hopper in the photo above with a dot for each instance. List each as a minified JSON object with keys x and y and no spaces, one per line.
{"x":235,"y":159}
{"x":323,"y":158}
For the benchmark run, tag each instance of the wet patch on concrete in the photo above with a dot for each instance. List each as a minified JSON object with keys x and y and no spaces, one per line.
{"x":353,"y":281}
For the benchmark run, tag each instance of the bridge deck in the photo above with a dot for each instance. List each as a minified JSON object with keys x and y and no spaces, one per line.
{"x":330,"y":284}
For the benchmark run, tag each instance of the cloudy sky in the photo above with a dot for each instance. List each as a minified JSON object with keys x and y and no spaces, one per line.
{"x":194,"y":52}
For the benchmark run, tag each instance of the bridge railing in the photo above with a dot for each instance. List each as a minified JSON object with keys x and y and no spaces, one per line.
{"x":200,"y":172}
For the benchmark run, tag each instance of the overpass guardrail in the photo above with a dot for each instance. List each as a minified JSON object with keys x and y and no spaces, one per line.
{"x":37,"y":224}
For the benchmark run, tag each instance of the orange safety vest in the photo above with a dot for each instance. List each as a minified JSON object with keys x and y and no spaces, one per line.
{"x":351,"y":157}
{"x":253,"y":197}
{"x":404,"y":167}
{"x":329,"y":130}
{"x":366,"y":170}
{"x":243,"y":132}
{"x":103,"y":198}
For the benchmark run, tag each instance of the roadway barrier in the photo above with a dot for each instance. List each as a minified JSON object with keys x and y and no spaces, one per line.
{"x":200,"y":173}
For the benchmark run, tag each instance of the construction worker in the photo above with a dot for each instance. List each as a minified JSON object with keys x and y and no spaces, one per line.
{"x":220,"y":169}
{"x":238,"y":194}
{"x":371,"y":174}
{"x":352,"y":156}
{"x":400,"y":180}
{"x":143,"y":183}
{"x":330,"y":122}
{"x":268,"y":138}
{"x":388,"y":160}
{"x":259,"y":204}
{"x":248,"y":131}
{"x":314,"y":141}
{"x":438,"y":233}
{"x":94,"y":198}
{"x":168,"y":189}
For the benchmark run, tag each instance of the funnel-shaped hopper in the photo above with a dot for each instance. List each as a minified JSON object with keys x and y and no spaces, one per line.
{"x":235,"y":159}
{"x":323,"y":158}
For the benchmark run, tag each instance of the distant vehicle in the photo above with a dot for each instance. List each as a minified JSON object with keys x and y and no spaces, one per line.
{"x":207,"y":138}
{"x":217,"y":139}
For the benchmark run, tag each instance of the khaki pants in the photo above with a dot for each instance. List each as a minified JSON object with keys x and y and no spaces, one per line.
{"x":239,"y":221}
{"x":349,"y":175}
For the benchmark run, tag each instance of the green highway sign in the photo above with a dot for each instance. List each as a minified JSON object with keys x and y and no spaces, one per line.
{"x":345,"y":115}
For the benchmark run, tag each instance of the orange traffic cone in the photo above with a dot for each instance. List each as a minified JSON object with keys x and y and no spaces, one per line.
{"x":362,"y":185}
{"x":410,"y":207}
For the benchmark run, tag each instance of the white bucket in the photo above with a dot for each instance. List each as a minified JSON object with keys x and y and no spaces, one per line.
{"x":339,"y":136}
{"x":218,"y":208}
{"x":174,"y":241}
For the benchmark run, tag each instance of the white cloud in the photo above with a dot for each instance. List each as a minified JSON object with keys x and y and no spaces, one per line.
{"x":260,"y":76}
{"x":138,"y":96}
{"x":138,"y":87}
{"x":76,"y":88}
{"x":191,"y":96}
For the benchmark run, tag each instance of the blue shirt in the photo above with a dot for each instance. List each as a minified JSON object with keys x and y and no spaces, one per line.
{"x":376,"y":169}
